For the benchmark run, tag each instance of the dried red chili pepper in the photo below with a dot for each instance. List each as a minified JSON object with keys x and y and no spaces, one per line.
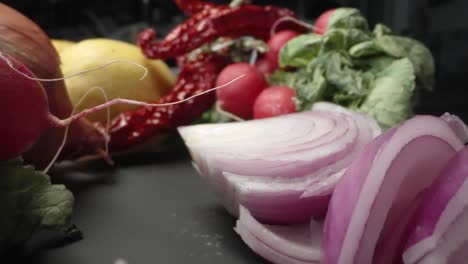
{"x":209,"y":24}
{"x":196,"y":76}
{"x":191,"y":7}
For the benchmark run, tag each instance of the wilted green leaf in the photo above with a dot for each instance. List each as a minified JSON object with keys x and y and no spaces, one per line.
{"x":28,"y":202}
{"x":389,"y":100}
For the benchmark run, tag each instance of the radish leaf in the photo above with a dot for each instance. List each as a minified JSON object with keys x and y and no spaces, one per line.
{"x":29,"y":202}
{"x":390,"y":98}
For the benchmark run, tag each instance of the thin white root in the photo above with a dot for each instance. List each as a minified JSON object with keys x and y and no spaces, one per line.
{"x":10,"y":64}
{"x":108,"y":104}
{"x":292,"y":19}
{"x":85,"y":112}
{"x":67,"y":126}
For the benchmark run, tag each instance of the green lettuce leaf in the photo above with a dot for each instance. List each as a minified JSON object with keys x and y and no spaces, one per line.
{"x":29,"y":202}
{"x":390,"y":98}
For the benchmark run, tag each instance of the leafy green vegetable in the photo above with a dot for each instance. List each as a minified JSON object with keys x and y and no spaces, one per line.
{"x":347,"y":18}
{"x":300,"y":50}
{"x":415,"y":51}
{"x":28,"y":202}
{"x":380,"y":30}
{"x":365,"y":49}
{"x":310,"y":88}
{"x":391,"y":94}
{"x":371,"y":71}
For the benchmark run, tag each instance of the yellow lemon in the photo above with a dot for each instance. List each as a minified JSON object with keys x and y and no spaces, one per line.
{"x":118,"y":80}
{"x":60,"y":44}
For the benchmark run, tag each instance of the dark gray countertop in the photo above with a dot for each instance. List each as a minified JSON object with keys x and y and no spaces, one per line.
{"x":148,"y":209}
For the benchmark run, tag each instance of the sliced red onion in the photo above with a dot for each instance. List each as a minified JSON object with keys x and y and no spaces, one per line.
{"x":440,"y":227}
{"x":457,"y":125}
{"x":296,"y":244}
{"x":283,"y":169}
{"x":373,"y":203}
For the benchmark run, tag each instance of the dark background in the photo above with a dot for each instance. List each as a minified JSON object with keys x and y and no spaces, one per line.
{"x":440,"y":24}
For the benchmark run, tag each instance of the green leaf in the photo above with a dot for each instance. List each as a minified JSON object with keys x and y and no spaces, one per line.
{"x":419,"y":55}
{"x":280,"y":77}
{"x":28,"y":202}
{"x":380,"y":30}
{"x":374,"y":64}
{"x":390,"y":98}
{"x":299,"y":51}
{"x":309,"y":85}
{"x":348,"y":18}
{"x":343,"y":39}
{"x":365,"y":49}
{"x":310,"y":88}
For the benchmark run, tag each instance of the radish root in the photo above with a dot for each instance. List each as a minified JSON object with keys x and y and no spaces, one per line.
{"x":10,"y":64}
{"x":56,"y":122}
{"x":115,"y":101}
{"x":104,"y":154}
{"x":66,"y":122}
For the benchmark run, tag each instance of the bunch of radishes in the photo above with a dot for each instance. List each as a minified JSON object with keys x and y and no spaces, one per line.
{"x":252,"y":97}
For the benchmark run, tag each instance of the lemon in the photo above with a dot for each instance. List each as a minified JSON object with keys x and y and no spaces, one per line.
{"x":60,"y":44}
{"x":118,"y":80}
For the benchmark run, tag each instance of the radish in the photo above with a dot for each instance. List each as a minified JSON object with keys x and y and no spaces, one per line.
{"x":238,"y":98}
{"x":264,"y":66}
{"x":275,"y":43}
{"x":321,"y":24}
{"x":274,"y":101}
{"x":27,"y":42}
{"x":25,"y":110}
{"x":24,"y":107}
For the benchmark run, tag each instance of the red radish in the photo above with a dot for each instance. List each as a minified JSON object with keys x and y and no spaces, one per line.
{"x":321,"y":24}
{"x":24,"y":107}
{"x":264,"y":66}
{"x":25,"y":110}
{"x":275,"y":44}
{"x":23,"y":39}
{"x":238,"y":98}
{"x":274,"y":101}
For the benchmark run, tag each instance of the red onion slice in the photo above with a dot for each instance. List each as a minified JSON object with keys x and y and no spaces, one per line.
{"x":297,"y":244}
{"x":372,"y":204}
{"x":440,"y":227}
{"x":283,"y":169}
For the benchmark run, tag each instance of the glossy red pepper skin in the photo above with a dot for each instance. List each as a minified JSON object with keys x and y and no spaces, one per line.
{"x":209,"y":24}
{"x":195,"y":77}
{"x":191,"y":7}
